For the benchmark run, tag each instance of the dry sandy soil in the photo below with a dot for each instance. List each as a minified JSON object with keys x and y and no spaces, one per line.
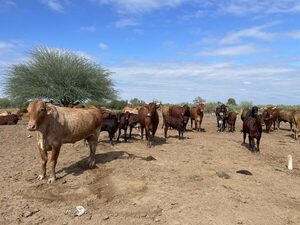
{"x":174,"y":182}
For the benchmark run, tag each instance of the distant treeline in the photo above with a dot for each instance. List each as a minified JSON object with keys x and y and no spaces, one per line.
{"x":6,"y":103}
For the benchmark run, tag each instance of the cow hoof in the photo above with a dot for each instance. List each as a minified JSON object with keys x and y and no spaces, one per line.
{"x":51,"y":180}
{"x":92,"y":164}
{"x":40,"y":177}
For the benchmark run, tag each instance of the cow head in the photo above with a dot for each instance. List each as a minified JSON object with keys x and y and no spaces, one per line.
{"x":151,"y":109}
{"x":37,"y":111}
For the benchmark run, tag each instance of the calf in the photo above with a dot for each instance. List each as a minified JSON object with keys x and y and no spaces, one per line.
{"x":270,"y":116}
{"x":197,"y":116}
{"x":123,"y":124}
{"x":231,"y":119}
{"x":252,"y":127}
{"x":133,"y":121}
{"x":10,"y":119}
{"x":111,"y":125}
{"x":176,"y":123}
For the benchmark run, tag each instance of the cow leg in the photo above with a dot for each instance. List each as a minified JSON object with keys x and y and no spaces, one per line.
{"x":257,"y":142}
{"x":119,"y":133}
{"x":244,"y":138}
{"x":125,"y":131}
{"x":166,"y":130}
{"x":92,"y":140}
{"x":53,"y":161}
{"x":142,"y":132}
{"x":44,"y":157}
{"x":291,"y":126}
{"x":192,"y":124}
{"x":111,"y":135}
{"x":130,"y":130}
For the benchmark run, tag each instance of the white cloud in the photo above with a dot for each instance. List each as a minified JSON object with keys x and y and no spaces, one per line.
{"x":252,"y":32}
{"x":86,"y":55}
{"x":141,"y":6}
{"x":236,"y":50}
{"x":182,"y":81}
{"x":88,"y":29}
{"x":54,"y":5}
{"x":102,"y":46}
{"x":6,"y":45}
{"x":126,"y":22}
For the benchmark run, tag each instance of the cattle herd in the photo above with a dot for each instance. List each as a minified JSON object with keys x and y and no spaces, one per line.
{"x":56,"y":125}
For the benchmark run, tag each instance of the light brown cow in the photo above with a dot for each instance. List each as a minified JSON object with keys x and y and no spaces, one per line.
{"x":296,"y":121}
{"x":58,"y":125}
{"x":5,"y":113}
{"x":130,"y":109}
{"x":165,"y":112}
{"x":197,"y":116}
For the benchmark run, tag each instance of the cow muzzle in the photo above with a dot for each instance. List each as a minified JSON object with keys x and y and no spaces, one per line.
{"x":32,"y":127}
{"x":148,"y":114}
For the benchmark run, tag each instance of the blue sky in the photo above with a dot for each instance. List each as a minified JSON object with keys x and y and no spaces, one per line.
{"x":171,"y":50}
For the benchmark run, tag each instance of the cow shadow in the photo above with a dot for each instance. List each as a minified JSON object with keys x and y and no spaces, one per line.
{"x":81,"y":166}
{"x":252,"y":150}
{"x":176,"y":137}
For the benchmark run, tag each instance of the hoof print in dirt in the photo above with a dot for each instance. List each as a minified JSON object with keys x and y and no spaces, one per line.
{"x":223,"y":175}
{"x":245,"y":172}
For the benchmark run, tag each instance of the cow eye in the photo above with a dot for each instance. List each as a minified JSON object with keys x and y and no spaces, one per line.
{"x":42,"y":110}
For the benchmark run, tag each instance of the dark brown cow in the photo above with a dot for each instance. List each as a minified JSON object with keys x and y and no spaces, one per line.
{"x":231,"y":119}
{"x":58,"y":125}
{"x":180,"y":111}
{"x":123,"y":125}
{"x":148,"y":118}
{"x":249,"y":112}
{"x":10,"y":119}
{"x":252,"y":127}
{"x":221,"y":114}
{"x":270,"y":116}
{"x":133,"y":122}
{"x":197,"y":116}
{"x":176,"y":123}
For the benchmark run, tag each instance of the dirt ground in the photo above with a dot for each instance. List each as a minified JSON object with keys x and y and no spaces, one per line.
{"x":189,"y":181}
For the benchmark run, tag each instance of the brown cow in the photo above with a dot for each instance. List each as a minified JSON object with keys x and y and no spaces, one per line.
{"x":11,"y":119}
{"x":285,"y":115}
{"x":180,"y":111}
{"x":165,"y":112}
{"x":58,"y":125}
{"x":270,"y":116}
{"x":148,"y":118}
{"x":231,"y":119}
{"x":296,"y":121}
{"x":197,"y":116}
{"x":252,"y":127}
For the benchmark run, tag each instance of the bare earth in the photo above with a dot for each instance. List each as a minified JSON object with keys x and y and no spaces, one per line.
{"x":181,"y":186}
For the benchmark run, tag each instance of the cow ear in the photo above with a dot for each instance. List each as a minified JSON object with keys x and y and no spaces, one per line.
{"x":49,"y":110}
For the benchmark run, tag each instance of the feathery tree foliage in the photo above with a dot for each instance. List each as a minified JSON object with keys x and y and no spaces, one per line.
{"x":59,"y":75}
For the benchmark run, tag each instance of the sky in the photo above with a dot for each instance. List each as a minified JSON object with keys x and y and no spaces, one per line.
{"x":168,"y":50}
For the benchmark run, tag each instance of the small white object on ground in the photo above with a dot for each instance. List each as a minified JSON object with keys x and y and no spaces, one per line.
{"x":290,"y":162}
{"x":80,"y":210}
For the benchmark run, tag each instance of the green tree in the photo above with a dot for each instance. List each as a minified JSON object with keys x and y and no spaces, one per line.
{"x":117,"y":104}
{"x":198,"y":100}
{"x":231,"y":101}
{"x":136,"y":101}
{"x":59,"y":75}
{"x":246,"y":104}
